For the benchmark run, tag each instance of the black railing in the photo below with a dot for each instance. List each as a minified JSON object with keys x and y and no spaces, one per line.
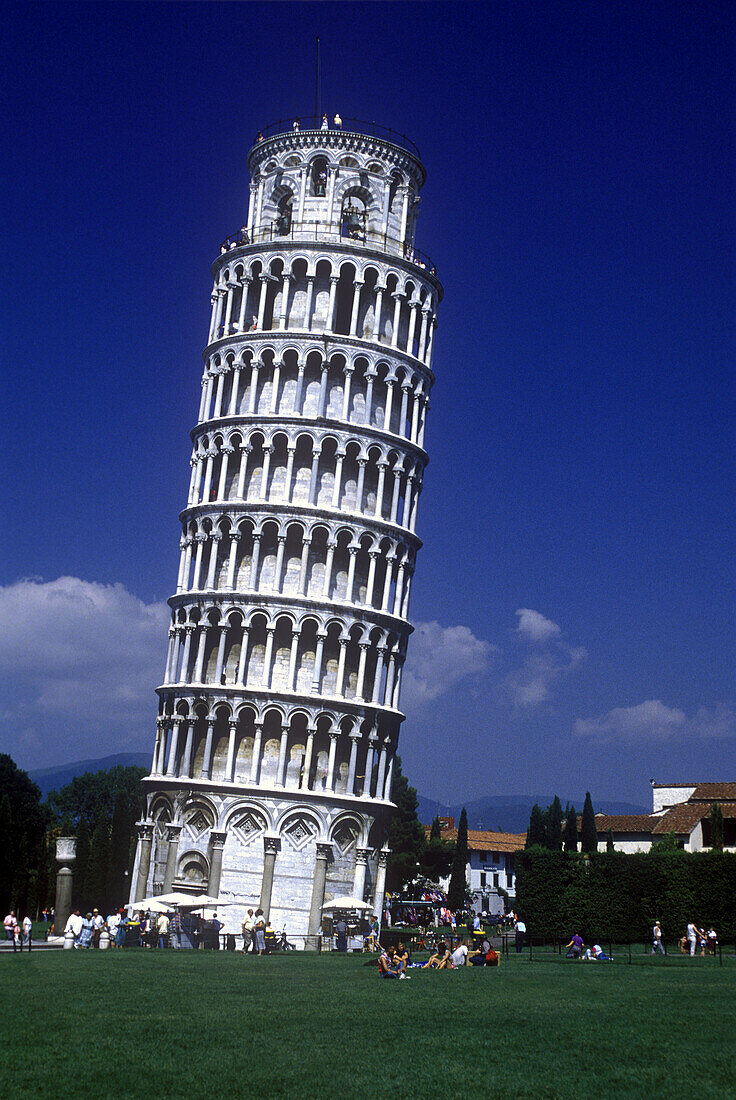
{"x":317,"y":231}
{"x":311,"y":124}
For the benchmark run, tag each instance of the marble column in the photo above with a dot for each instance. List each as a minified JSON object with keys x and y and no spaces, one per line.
{"x":324,"y":854}
{"x":172,"y":835}
{"x":145,"y":840}
{"x":217,"y":843}
{"x":66,"y":853}
{"x":361,"y":865}
{"x":271,"y":846}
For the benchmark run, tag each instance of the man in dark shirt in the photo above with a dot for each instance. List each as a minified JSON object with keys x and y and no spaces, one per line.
{"x":341,"y":931}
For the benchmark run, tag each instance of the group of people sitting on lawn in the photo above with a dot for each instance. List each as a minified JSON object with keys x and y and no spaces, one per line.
{"x":394,"y":961}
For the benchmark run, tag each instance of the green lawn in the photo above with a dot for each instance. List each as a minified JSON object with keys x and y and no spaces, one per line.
{"x":198,"y":1024}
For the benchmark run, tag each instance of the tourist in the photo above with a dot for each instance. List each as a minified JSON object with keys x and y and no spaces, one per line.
{"x":325,"y":124}
{"x":701,"y":941}
{"x":597,"y":954}
{"x":574,"y":947}
{"x":371,"y":942}
{"x":692,"y":937}
{"x":260,"y":930}
{"x":98,"y":923}
{"x":385,"y":967}
{"x":520,"y":930}
{"x":248,"y":931}
{"x":175,"y":930}
{"x":74,"y":925}
{"x":295,"y":127}
{"x":401,"y":959}
{"x":10,"y":923}
{"x":682,"y":944}
{"x":27,"y":929}
{"x":440,"y":960}
{"x":341,"y":931}
{"x":260,"y":136}
{"x":338,"y":122}
{"x":133,"y":934}
{"x":459,"y":955}
{"x":712,"y":940}
{"x":162,"y":927}
{"x":657,"y":944}
{"x":85,"y":936}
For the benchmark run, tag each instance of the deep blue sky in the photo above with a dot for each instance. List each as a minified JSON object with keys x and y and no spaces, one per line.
{"x":580,"y":209}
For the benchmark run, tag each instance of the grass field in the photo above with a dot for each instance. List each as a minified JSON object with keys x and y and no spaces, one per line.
{"x":197,"y":1024}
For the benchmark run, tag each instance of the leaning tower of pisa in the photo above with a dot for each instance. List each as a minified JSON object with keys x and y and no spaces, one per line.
{"x":279,"y":710}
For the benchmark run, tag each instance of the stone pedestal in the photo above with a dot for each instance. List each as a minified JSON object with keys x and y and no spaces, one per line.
{"x":66,"y":853}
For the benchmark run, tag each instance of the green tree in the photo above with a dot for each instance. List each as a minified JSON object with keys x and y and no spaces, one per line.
{"x":609,"y":841}
{"x":93,"y":793}
{"x":99,"y":861}
{"x":123,"y":821}
{"x":23,"y":824}
{"x":588,"y":829}
{"x":79,"y":869}
{"x":554,"y":825}
{"x":536,"y":834}
{"x":438,"y":854}
{"x":406,"y":837}
{"x":458,"y":878}
{"x":716,"y":827}
{"x":570,"y":833}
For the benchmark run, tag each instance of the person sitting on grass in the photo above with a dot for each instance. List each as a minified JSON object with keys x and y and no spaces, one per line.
{"x":401,"y":959}
{"x":385,"y":965}
{"x":575,"y":947}
{"x":597,"y":955}
{"x":459,"y":955}
{"x":440,"y":960}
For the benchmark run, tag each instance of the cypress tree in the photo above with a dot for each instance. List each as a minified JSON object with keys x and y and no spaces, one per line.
{"x":435,"y":833}
{"x":406,"y":836}
{"x":458,"y":879}
{"x":438,"y":854}
{"x":97,"y":868}
{"x":570,"y":834}
{"x":716,"y":827}
{"x":122,"y":822}
{"x":588,"y":830}
{"x":554,"y":825}
{"x":79,"y":869}
{"x":609,"y":841}
{"x":6,"y":853}
{"x":536,"y":834}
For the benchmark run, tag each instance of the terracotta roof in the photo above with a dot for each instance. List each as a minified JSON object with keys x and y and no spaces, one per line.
{"x":481,"y":841}
{"x":712,"y":792}
{"x":625,"y":823}
{"x":681,"y":819}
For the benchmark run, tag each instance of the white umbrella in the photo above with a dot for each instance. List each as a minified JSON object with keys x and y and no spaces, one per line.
{"x":347,"y":903}
{"x":150,"y":905}
{"x":178,"y":898}
{"x":204,"y":901}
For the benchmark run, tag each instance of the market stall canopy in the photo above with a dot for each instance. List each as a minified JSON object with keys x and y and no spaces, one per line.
{"x":347,"y":903}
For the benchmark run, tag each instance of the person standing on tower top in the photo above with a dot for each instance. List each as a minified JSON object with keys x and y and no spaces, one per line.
{"x":325,"y":124}
{"x":338,"y":122}
{"x":295,"y":127}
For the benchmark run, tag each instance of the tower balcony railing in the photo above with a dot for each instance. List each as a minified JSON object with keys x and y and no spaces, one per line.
{"x":323,"y":232}
{"x":320,"y":123}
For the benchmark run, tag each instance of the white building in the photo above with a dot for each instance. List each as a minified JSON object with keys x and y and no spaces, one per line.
{"x":682,"y":809}
{"x":490,"y":871}
{"x":279,"y":710}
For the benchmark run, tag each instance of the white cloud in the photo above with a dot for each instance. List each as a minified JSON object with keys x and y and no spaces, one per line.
{"x":78,"y":664}
{"x":652,"y":720}
{"x":439,"y":657}
{"x":531,"y":682}
{"x":534,"y":626}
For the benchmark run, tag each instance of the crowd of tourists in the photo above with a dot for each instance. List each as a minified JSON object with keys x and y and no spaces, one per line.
{"x":142,"y":929}
{"x":393,"y":962}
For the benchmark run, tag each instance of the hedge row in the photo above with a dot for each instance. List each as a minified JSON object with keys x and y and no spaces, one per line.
{"x":617,"y":897}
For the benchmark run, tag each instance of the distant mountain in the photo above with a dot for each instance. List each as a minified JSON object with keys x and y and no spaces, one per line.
{"x":510,"y":813}
{"x":51,"y":779}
